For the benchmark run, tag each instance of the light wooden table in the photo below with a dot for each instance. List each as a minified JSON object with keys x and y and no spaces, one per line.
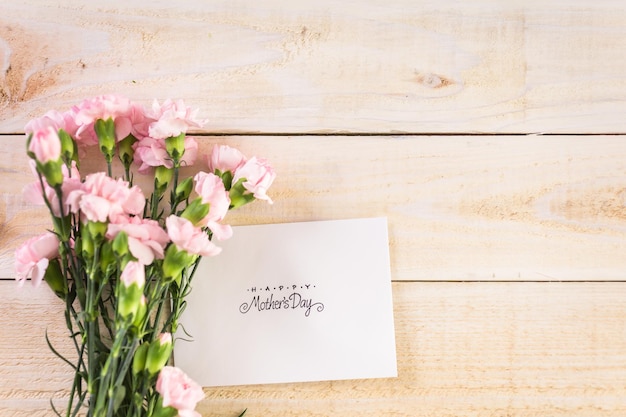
{"x":490,"y":133}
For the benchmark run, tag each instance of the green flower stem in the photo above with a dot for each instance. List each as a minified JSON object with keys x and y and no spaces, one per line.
{"x":154,"y":204}
{"x":178,"y":301}
{"x":110,"y":373}
{"x":91,"y":323}
{"x":173,"y":202}
{"x":127,"y":176}
{"x":160,"y":290}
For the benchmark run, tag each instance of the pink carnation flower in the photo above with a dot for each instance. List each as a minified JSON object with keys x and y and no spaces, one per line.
{"x":179,"y":391}
{"x":151,"y":153}
{"x":133,"y":273}
{"x":211,"y":190}
{"x":171,"y":119}
{"x":33,"y":193}
{"x":33,"y":256}
{"x":146,"y":238}
{"x":129,"y":118}
{"x":258,"y":175}
{"x":46,"y":145}
{"x":55,"y":119}
{"x":189,"y":238}
{"x":101,"y":198}
{"x":225,"y":158}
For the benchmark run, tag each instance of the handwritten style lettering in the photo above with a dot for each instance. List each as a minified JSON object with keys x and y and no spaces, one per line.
{"x":294,"y":301}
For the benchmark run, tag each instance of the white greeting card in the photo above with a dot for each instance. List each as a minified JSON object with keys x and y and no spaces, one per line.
{"x":292,"y":303}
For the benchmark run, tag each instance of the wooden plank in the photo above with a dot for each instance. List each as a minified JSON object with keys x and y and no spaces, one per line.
{"x":285,"y":66}
{"x":459,"y":208}
{"x":464,"y":349}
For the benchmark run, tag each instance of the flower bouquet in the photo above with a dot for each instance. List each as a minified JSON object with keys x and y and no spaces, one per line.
{"x":123,"y":261}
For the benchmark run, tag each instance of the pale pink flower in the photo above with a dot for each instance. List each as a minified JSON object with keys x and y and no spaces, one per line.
{"x":33,"y":192}
{"x":151,"y":153}
{"x":140,"y":121}
{"x":129,"y":118}
{"x":102,"y":197}
{"x":189,"y":238}
{"x":46,"y":145}
{"x":211,"y":190}
{"x":133,"y":273}
{"x":84,"y":135}
{"x":258,"y":175}
{"x":225,"y":158}
{"x":179,"y":391}
{"x":146,"y":238}
{"x":33,"y":256}
{"x":55,"y":119}
{"x":171,"y":119}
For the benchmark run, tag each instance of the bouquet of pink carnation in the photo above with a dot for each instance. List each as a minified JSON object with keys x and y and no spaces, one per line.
{"x":123,"y":261}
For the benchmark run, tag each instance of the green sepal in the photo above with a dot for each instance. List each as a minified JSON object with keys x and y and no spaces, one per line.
{"x":86,"y":244}
{"x":183,"y":190}
{"x":175,"y":262}
{"x":227,"y":179}
{"x":126,"y":153}
{"x":97,"y":230}
{"x":107,"y":257}
{"x":55,"y":279}
{"x":52,"y":172}
{"x":175,"y":147}
{"x":238,"y":194}
{"x":30,"y":154}
{"x":69,"y":149}
{"x":160,"y":411}
{"x":162,"y":177}
{"x":139,"y":360}
{"x":128,"y":300}
{"x":105,"y":130}
{"x":196,"y":211}
{"x":120,"y":244}
{"x":158,"y":355}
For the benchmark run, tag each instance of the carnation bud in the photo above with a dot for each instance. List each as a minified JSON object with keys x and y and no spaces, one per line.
{"x":139,"y":359}
{"x":159,"y":353}
{"x":131,"y":286}
{"x":105,"y":130}
{"x":175,"y":146}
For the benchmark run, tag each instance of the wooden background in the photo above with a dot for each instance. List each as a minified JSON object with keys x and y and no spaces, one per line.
{"x":490,"y":133}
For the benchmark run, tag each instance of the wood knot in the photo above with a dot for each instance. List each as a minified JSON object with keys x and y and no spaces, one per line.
{"x":431,"y":80}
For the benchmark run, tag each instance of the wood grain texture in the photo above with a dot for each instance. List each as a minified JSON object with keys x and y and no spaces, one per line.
{"x":459,"y":208}
{"x":288,"y":66}
{"x":464,"y":349}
